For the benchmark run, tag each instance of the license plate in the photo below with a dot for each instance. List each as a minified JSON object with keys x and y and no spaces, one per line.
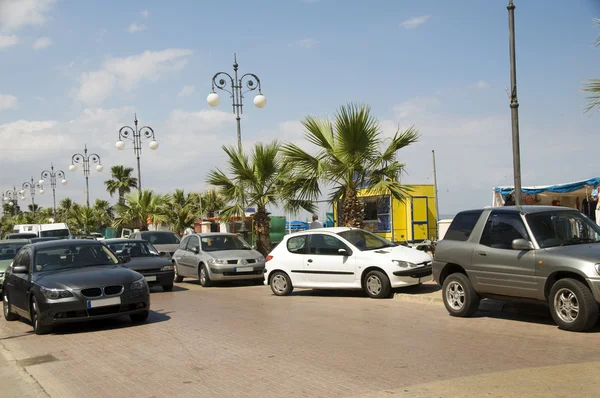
{"x":103,"y":302}
{"x":150,"y":278}
{"x":244,"y":269}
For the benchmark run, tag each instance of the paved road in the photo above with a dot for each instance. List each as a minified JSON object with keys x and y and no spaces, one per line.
{"x":241,"y":341}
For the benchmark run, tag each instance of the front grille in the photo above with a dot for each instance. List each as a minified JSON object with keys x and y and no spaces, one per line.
{"x":113,"y":290}
{"x":92,"y":292}
{"x":250,"y":261}
{"x":148,"y":271}
{"x":113,"y":309}
{"x":259,"y":272}
{"x":232,"y":261}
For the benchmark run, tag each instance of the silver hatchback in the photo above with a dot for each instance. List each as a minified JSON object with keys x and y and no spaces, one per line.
{"x":217,"y":257}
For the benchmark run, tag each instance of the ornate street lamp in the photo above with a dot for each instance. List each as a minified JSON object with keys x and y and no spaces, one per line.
{"x":32,"y":186}
{"x":136,"y":136}
{"x":52,"y":175}
{"x":235,"y":87}
{"x":85,"y":160}
{"x":11,"y":198}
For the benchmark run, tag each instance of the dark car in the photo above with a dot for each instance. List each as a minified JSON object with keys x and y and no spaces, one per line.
{"x":70,"y":281}
{"x":8,"y":251}
{"x":145,"y":259}
{"x":21,"y":235}
{"x":165,"y":241}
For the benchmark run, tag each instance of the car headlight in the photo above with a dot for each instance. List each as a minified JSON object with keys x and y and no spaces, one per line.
{"x":139,"y":284}
{"x":260,"y":259}
{"x":55,"y":294}
{"x":597,"y":268}
{"x":405,"y":264}
{"x":214,"y":261}
{"x":167,"y":268}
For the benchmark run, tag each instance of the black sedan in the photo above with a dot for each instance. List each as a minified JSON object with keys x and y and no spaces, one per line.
{"x":145,"y":259}
{"x":70,"y":281}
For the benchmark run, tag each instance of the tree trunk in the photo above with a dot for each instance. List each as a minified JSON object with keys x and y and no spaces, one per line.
{"x":353,"y":210}
{"x":262,"y":231}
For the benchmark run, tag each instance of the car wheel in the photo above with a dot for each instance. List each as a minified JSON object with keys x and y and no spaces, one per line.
{"x":377,"y":285}
{"x":168,"y":288}
{"x":8,"y":314}
{"x":38,"y":328}
{"x":139,"y":317}
{"x":459,"y":296}
{"x":572,"y":305}
{"x":204,"y":277}
{"x":281,"y":285}
{"x":178,"y":278}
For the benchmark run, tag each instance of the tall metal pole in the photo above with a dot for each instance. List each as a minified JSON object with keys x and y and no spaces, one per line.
{"x":85,"y":160}
{"x":135,"y":136}
{"x":437,"y":206}
{"x":514,"y":104}
{"x":32,"y":186}
{"x":51,"y":175}
{"x":12,"y":196}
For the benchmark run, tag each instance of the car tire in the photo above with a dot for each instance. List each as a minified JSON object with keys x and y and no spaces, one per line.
{"x":377,"y":285}
{"x":259,"y":282}
{"x":8,"y":314}
{"x":204,"y":277}
{"x":168,"y":288}
{"x":570,"y":297}
{"x":139,"y":317}
{"x":281,"y":284}
{"x":178,"y":278}
{"x":38,"y":328}
{"x":460,"y":298}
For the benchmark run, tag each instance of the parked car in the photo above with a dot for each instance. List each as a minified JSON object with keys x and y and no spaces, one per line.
{"x":544,"y":253}
{"x":165,"y":241}
{"x":21,"y":235}
{"x":8,"y":251}
{"x":97,"y":235}
{"x":82,"y":236}
{"x":217,"y":257}
{"x":70,"y":281}
{"x":344,"y":258}
{"x":46,"y":239}
{"x":145,"y":259}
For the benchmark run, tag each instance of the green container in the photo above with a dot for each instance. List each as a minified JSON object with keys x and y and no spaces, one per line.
{"x":277,"y":228}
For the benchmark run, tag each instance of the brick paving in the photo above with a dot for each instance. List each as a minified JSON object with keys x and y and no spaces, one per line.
{"x":241,"y":341}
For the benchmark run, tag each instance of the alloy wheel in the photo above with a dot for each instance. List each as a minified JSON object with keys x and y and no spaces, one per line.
{"x":6,"y":306}
{"x":566,"y":305}
{"x":455,"y":296}
{"x":202,"y":275}
{"x":279,"y":283}
{"x":374,"y":285}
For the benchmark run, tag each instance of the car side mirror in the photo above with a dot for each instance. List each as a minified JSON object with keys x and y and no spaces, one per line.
{"x":20,"y":269}
{"x":343,"y":252}
{"x":522,"y":244}
{"x":124,"y":259}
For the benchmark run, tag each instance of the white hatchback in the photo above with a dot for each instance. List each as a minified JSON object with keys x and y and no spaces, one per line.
{"x":344,"y":258}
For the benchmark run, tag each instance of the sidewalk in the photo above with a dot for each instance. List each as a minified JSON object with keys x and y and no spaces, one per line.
{"x":15,"y":382}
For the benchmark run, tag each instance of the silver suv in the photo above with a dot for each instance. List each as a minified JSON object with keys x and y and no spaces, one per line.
{"x":542,"y":253}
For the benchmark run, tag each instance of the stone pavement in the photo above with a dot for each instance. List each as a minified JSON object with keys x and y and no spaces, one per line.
{"x":15,"y":382}
{"x":241,"y":341}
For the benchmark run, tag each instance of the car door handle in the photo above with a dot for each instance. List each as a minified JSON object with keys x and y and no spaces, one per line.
{"x":482,"y":253}
{"x":310,"y":260}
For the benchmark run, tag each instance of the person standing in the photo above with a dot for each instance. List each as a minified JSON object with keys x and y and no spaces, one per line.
{"x":315,"y":222}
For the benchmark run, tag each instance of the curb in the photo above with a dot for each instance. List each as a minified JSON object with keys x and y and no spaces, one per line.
{"x":21,"y":371}
{"x":418,"y":298}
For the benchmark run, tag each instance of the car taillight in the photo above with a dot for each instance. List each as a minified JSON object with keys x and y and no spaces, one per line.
{"x":269,"y":258}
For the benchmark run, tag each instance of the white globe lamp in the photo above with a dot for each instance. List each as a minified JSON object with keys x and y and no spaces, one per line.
{"x":99,"y":168}
{"x":64,"y":181}
{"x":153,"y":145}
{"x":260,"y":101}
{"x":42,"y":191}
{"x":213,"y":99}
{"x":72,"y":167}
{"x":120,"y":145}
{"x":41,"y":182}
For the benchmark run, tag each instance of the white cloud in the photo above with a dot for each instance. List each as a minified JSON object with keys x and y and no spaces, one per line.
{"x":481,"y":84}
{"x":8,"y":41}
{"x":415,"y":106}
{"x":145,"y":13}
{"x":307,"y":42}
{"x":414,"y":22}
{"x":133,"y":28}
{"x":42,"y":42}
{"x":128,"y":72}
{"x":186,"y":91}
{"x":8,"y":102}
{"x":14,"y":14}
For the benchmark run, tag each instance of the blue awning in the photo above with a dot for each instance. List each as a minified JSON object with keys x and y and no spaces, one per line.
{"x":591,"y":184}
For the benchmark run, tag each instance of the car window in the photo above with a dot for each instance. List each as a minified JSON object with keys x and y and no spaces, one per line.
{"x":134,"y":249}
{"x":9,"y":250}
{"x":74,"y":255}
{"x":184,"y":242}
{"x":364,"y":240}
{"x":325,"y":245}
{"x":461,"y":227}
{"x":161,"y":238}
{"x":18,"y":258}
{"x":297,"y":244}
{"x":561,"y":228}
{"x":193,"y":244}
{"x":213,"y":243}
{"x":501,"y":229}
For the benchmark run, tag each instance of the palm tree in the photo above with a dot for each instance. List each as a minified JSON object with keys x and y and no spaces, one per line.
{"x":593,"y":85}
{"x":259,"y":180}
{"x":82,"y":218}
{"x":141,"y":208}
{"x":180,"y":210}
{"x":122,"y":182}
{"x":211,"y":203}
{"x":350,"y":158}
{"x":105,"y":213}
{"x":62,"y":213}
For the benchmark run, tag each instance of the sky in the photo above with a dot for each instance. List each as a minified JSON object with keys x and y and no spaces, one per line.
{"x":73,"y":72}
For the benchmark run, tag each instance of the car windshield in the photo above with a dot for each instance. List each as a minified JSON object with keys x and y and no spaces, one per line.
{"x":215,"y":243}
{"x":8,"y":251}
{"x":134,"y":249}
{"x":161,"y":238}
{"x":55,"y":233}
{"x":73,"y":256}
{"x":562,"y":228}
{"x":21,"y":236}
{"x":364,"y":240}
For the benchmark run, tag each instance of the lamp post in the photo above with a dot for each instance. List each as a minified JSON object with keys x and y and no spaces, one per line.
{"x":514,"y":104}
{"x":10,"y":196}
{"x":52,"y":175}
{"x":135,"y":135}
{"x":235,"y":87}
{"x":85,"y":160}
{"x":32,"y":187}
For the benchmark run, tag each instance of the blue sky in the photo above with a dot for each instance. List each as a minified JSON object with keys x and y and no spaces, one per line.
{"x":73,"y":72}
